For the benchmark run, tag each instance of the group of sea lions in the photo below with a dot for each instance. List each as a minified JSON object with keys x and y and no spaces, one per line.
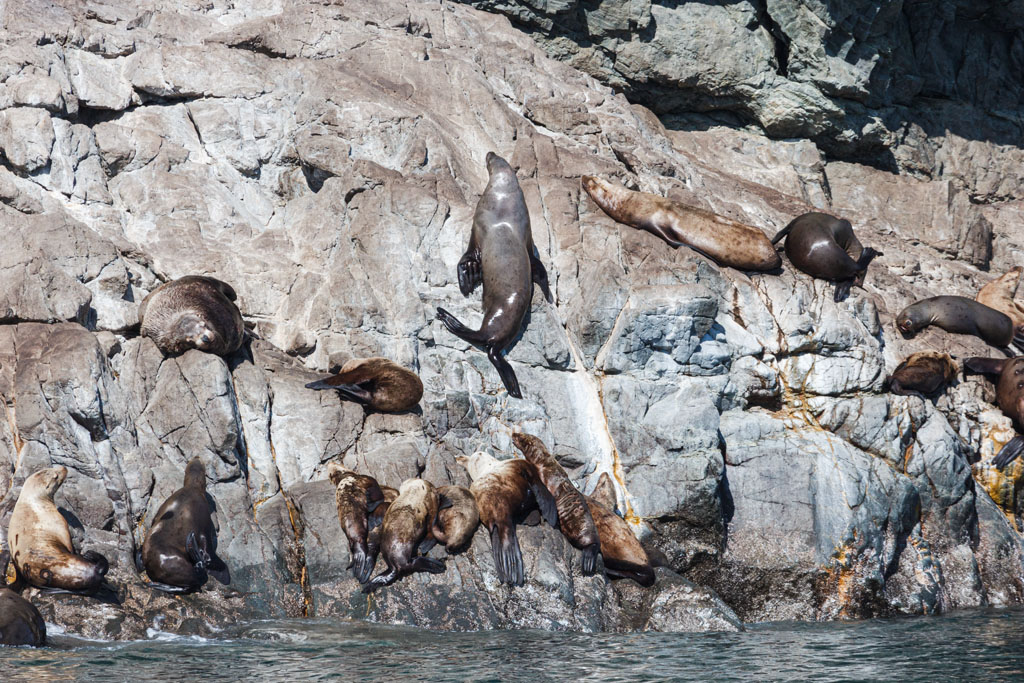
{"x":199,"y":312}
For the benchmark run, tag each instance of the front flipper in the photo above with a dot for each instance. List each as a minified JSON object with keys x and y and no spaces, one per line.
{"x":470,"y":271}
{"x":508,"y":376}
{"x":1009,"y":452}
{"x":427,"y":564}
{"x":590,"y":554}
{"x":385,"y":579}
{"x":545,"y":501}
{"x":842,"y":290}
{"x":985,"y":366}
{"x":218,"y":570}
{"x":178,"y":590}
{"x":196,"y":555}
{"x":353,"y":392}
{"x":540,"y":276}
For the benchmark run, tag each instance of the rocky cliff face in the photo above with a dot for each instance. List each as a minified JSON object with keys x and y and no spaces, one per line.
{"x":325,"y":160}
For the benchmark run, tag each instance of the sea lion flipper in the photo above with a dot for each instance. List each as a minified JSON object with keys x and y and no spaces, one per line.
{"x":866,"y":256}
{"x":458,"y":329}
{"x":508,"y":558}
{"x":545,"y":501}
{"x":469,"y":270}
{"x":139,"y":566}
{"x":361,"y":564}
{"x":589,"y":561}
{"x":540,"y":276}
{"x":352,"y":392}
{"x":196,"y":555}
{"x":444,"y":501}
{"x":782,"y":233}
{"x":383,"y":579}
{"x":505,"y":371}
{"x":842,"y":290}
{"x":426,"y":544}
{"x":219,"y":570}
{"x":1009,"y":452}
{"x":985,"y":366}
{"x":165,"y":588}
{"x":427,"y":564}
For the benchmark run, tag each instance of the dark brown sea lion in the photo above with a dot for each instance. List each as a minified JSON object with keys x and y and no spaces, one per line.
{"x":999,"y":294}
{"x":825,"y":247}
{"x":501,"y":255}
{"x":192,"y":312}
{"x":377,"y":383}
{"x":180,"y":550}
{"x":41,"y":542}
{"x":723,"y":240}
{"x":406,"y":530}
{"x":1009,"y":396}
{"x":358,"y":496}
{"x":959,"y":315}
{"x":20,"y":621}
{"x":623,"y":556}
{"x":923,"y":374}
{"x":573,"y":515}
{"x":456,"y":523}
{"x":506,"y":492}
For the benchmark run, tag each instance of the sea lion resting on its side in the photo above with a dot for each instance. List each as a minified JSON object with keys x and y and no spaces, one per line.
{"x":357,"y":496}
{"x":456,"y":523}
{"x":192,"y":312}
{"x":574,"y":518}
{"x":377,"y":383}
{"x":723,"y":240}
{"x":506,"y":492}
{"x":180,"y":550}
{"x":959,"y":315}
{"x":41,"y":542}
{"x":624,"y":557}
{"x":923,"y":374}
{"x":1009,"y":396}
{"x":999,"y":294}
{"x":406,"y":532}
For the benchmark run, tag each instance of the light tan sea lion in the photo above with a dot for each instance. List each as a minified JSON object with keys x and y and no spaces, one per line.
{"x":623,"y":556}
{"x":457,"y":518}
{"x":999,"y":294}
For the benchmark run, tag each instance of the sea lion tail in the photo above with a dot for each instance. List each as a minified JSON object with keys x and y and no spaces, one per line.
{"x":458,"y":329}
{"x":505,"y":371}
{"x":590,"y":554}
{"x":1009,"y":452}
{"x":508,"y":558}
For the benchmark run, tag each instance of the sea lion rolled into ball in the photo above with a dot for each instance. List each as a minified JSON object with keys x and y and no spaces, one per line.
{"x":923,"y":374}
{"x":41,"y":542}
{"x":406,"y":531}
{"x":999,"y":294}
{"x":193,"y":312}
{"x":20,"y":621}
{"x":501,"y":255}
{"x":456,"y":523}
{"x":723,"y":240}
{"x":377,"y":383}
{"x":506,"y":492}
{"x":357,"y":496}
{"x":180,"y":550}
{"x":574,"y":517}
{"x":959,"y":315}
{"x":825,"y":247}
{"x":623,"y":556}
{"x":1009,"y":396}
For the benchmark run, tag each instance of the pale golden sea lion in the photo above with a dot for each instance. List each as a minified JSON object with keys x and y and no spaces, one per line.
{"x":999,"y":294}
{"x":457,"y":518}
{"x":406,"y":532}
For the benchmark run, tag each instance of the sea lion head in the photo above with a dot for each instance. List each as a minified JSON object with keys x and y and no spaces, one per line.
{"x":191,"y":331}
{"x":336,"y":472}
{"x":477,"y":464}
{"x":195,"y":473}
{"x":531,"y":447}
{"x":910,"y":320}
{"x":46,"y":482}
{"x":596,"y":188}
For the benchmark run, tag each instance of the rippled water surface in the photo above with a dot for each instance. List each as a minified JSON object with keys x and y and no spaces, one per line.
{"x":976,"y":645}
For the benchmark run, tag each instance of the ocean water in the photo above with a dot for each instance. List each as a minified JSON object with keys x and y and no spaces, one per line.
{"x":983,"y":645}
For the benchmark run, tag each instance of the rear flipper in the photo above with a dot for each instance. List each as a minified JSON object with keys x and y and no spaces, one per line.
{"x":458,"y":329}
{"x":219,"y":570}
{"x":866,"y":255}
{"x":782,"y":233}
{"x":470,"y":272}
{"x":590,"y":554}
{"x":426,"y":544}
{"x":385,"y":579}
{"x":196,"y":554}
{"x":642,"y":574}
{"x":362,"y":564}
{"x":540,"y":276}
{"x":842,"y":290}
{"x":508,"y":376}
{"x":508,"y":558}
{"x":427,"y":564}
{"x":352,"y":392}
{"x":1010,"y":452}
{"x":178,"y":590}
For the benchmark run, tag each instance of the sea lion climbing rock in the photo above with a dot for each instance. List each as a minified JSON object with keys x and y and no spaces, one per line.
{"x":999,"y":294}
{"x":357,"y":496}
{"x":193,"y":312}
{"x":180,"y":550}
{"x":20,"y":621}
{"x":923,"y":374}
{"x":1009,"y":396}
{"x":375,"y":382}
{"x":506,"y":492}
{"x":406,"y":533}
{"x":825,"y":247}
{"x":501,"y":255}
{"x":623,"y":556}
{"x":457,"y":518}
{"x":723,"y":240}
{"x":959,"y":315}
{"x":41,"y":542}
{"x":574,"y":517}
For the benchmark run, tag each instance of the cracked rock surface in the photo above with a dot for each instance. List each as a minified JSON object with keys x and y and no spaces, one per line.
{"x":325,"y":160}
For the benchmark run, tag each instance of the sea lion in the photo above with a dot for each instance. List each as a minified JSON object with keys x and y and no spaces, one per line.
{"x":825,"y":247}
{"x":456,"y":523}
{"x":574,"y":517}
{"x":623,"y":556}
{"x":41,"y":542}
{"x":604,"y":493}
{"x":376,"y":521}
{"x":377,"y":383}
{"x":406,"y":531}
{"x":192,"y":312}
{"x":501,"y":255}
{"x":723,"y":240}
{"x":999,"y":294}
{"x":180,"y":550}
{"x":20,"y":621}
{"x":956,"y":314}
{"x":923,"y":374}
{"x":1009,"y":396}
{"x":357,"y":497}
{"x":506,"y":492}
